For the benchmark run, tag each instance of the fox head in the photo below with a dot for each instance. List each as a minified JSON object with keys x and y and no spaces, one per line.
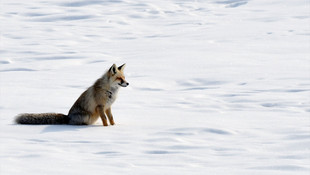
{"x":116,"y":76}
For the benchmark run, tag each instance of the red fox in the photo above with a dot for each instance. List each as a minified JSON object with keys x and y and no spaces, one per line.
{"x":94,"y":102}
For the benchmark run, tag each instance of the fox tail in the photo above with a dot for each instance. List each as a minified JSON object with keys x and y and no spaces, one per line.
{"x":43,"y":118}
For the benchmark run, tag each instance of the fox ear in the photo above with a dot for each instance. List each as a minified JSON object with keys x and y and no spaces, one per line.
{"x":121,"y":68}
{"x":112,"y":69}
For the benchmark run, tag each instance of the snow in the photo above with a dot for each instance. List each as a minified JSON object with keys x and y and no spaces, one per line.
{"x":216,"y":87}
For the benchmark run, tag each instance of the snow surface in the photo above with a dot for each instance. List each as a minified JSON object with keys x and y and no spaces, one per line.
{"x":216,"y":86}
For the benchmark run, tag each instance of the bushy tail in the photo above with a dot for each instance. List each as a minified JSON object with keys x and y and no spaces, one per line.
{"x":44,"y":118}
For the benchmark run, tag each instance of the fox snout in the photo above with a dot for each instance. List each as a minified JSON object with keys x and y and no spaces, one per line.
{"x":123,"y":83}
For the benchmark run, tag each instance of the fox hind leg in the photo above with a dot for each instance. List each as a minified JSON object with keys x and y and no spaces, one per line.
{"x":80,"y":118}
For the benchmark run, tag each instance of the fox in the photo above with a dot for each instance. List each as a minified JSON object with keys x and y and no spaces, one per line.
{"x":93,"y":103}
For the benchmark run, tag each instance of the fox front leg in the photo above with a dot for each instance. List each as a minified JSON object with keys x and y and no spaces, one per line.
{"x":110,"y":116}
{"x":100,"y":110}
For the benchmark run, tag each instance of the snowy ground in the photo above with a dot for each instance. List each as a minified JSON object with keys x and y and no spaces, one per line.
{"x":216,"y":86}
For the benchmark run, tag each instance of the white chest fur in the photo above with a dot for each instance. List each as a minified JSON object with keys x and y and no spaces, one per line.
{"x":112,"y":95}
